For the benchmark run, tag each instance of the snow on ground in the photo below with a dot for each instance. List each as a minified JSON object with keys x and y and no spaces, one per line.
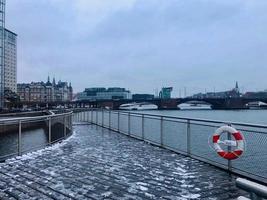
{"x":95,"y":163}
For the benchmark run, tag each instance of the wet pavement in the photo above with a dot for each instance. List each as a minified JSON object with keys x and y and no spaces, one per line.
{"x":95,"y":163}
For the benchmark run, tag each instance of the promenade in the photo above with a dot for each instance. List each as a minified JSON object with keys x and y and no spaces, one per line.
{"x":95,"y":163}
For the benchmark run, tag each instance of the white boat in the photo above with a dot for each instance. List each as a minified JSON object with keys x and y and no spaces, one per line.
{"x":256,"y":105}
{"x":138,"y":106}
{"x":194,"y":106}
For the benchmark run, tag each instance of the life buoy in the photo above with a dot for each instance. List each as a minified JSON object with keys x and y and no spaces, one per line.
{"x":238,"y":143}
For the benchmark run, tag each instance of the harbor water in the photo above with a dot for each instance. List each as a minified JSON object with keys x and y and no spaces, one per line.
{"x":242,"y":116}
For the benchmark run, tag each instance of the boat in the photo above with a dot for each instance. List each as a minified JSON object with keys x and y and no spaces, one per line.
{"x":257,"y":105}
{"x":194,"y":106}
{"x":138,"y":106}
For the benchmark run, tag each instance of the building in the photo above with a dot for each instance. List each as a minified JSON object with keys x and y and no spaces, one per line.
{"x":10,"y":65}
{"x":261,"y":94}
{"x":141,"y":97}
{"x":165,"y":93}
{"x":104,"y":94}
{"x":45,"y":92}
{"x":8,"y":59}
{"x":234,"y":93}
{"x":2,"y":47}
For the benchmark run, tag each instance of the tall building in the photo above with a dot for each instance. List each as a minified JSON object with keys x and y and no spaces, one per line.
{"x":10,"y":65}
{"x":8,"y":58}
{"x":2,"y":47}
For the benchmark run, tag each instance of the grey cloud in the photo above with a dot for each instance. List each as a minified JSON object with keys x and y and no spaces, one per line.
{"x":153,"y":43}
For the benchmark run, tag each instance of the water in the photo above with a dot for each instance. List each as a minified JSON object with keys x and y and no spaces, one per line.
{"x":243,"y":116}
{"x":31,"y":139}
{"x":34,"y":136}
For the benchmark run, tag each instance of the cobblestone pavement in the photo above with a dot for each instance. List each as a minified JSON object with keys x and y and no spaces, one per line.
{"x":96,"y":163}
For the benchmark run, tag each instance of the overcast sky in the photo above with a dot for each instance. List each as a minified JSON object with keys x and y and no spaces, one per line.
{"x":142,"y":44}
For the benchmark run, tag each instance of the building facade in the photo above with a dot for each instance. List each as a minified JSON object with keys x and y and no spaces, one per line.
{"x":141,"y":97}
{"x":104,"y":94}
{"x":233,"y":93}
{"x":10,"y":65}
{"x":2,"y":48}
{"x":45,"y":92}
{"x":165,"y":93}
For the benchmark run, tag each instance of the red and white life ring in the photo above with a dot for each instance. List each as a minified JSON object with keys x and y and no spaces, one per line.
{"x":238,"y":143}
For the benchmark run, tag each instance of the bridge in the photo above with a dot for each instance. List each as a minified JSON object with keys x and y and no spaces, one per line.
{"x":216,"y":103}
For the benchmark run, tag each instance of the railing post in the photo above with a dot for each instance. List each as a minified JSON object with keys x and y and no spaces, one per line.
{"x":102,"y":117}
{"x":143,"y":126}
{"x":84,"y":117}
{"x":49,"y":130}
{"x":229,"y":149}
{"x":71,"y":123}
{"x":188,"y":138}
{"x":96,"y":117}
{"x":65,"y":127}
{"x":129,"y":123}
{"x":109,"y":120}
{"x":161,"y":131}
{"x":19,"y":139}
{"x":92,"y":115}
{"x":118,"y":121}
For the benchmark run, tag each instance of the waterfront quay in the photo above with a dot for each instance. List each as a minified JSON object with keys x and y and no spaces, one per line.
{"x":97,"y":163}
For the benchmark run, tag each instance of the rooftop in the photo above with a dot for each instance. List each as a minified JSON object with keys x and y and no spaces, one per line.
{"x":96,"y":163}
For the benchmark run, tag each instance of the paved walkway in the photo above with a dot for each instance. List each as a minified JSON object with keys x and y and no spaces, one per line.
{"x":98,"y":164}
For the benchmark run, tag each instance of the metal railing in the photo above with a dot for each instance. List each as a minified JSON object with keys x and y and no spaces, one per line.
{"x":26,"y":134}
{"x":257,"y":191}
{"x":188,"y":136}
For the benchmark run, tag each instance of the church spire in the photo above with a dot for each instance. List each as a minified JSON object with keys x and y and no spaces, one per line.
{"x":236,"y":85}
{"x":54,"y":81}
{"x":236,"y":88}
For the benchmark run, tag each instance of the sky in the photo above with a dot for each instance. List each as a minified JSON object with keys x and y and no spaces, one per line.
{"x":142,"y":45}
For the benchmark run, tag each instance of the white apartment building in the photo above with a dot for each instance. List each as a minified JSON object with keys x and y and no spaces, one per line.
{"x":10,"y":59}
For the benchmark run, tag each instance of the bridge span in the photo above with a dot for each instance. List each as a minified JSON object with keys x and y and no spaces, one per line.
{"x":168,"y":104}
{"x":216,"y":103}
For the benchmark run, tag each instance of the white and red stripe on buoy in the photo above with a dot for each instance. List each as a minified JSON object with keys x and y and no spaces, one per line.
{"x":239,"y":141}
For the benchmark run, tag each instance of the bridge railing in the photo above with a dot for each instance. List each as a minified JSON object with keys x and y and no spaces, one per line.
{"x":25,"y":134}
{"x":188,"y":136}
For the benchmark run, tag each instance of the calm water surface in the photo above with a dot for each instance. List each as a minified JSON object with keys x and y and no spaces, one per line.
{"x":245,"y":116}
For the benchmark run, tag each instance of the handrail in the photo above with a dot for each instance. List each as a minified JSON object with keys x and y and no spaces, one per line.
{"x":112,"y":120}
{"x":193,"y":119}
{"x":19,"y":127}
{"x":257,"y":191}
{"x":24,"y":119}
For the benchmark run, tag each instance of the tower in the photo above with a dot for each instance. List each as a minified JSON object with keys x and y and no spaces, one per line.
{"x":2,"y":52}
{"x":236,"y":87}
{"x":54,"y":81}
